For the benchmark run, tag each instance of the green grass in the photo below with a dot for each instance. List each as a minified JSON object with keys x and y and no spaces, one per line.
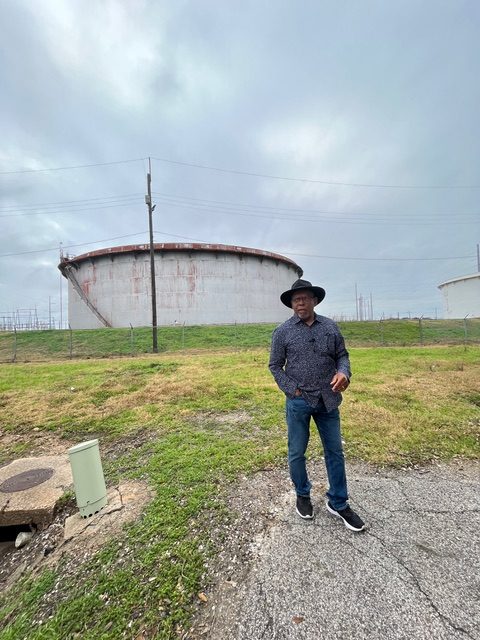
{"x":98,"y":343}
{"x":189,"y":423}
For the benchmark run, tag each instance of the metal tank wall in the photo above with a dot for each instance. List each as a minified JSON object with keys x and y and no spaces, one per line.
{"x":193,"y":287}
{"x":461,"y":297}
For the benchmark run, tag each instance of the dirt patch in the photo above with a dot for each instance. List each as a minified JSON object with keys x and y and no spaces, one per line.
{"x":203,"y":418}
{"x":32,"y":443}
{"x":37,"y":442}
{"x":125,"y":444}
{"x":254,"y":503}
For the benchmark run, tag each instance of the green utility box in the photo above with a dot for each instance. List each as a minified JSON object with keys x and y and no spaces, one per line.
{"x":88,"y":480}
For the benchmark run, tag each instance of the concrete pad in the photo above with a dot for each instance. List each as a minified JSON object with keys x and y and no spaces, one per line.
{"x":124,"y":504}
{"x":413,"y":575}
{"x":76,"y":524}
{"x":33,"y":504}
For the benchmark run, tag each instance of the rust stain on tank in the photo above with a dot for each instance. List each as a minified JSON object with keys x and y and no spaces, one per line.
{"x":135,"y":280}
{"x":192,"y":276}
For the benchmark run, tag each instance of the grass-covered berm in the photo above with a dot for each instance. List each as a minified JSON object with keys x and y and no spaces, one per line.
{"x":189,"y":423}
{"x":31,"y":346}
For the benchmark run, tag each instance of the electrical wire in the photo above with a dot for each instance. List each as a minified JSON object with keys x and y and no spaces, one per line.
{"x":67,"y":211}
{"x":240,"y":209}
{"x":319,"y":216}
{"x":84,"y":244}
{"x":315,"y":255}
{"x":78,"y":166}
{"x":297,"y":209}
{"x":71,"y":246}
{"x":287,"y":253}
{"x":311,"y":181}
{"x":45,"y":205}
{"x":245,"y":173}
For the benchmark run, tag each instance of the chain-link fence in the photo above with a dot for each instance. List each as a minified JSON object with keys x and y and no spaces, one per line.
{"x":27,"y":346}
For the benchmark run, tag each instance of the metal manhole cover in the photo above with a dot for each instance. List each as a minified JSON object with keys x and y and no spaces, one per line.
{"x":26,"y":480}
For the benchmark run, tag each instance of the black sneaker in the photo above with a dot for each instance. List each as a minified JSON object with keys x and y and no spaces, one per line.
{"x":350,"y":519}
{"x":304,"y":507}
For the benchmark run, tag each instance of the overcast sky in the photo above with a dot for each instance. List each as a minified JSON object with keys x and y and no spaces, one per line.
{"x":343,"y":135}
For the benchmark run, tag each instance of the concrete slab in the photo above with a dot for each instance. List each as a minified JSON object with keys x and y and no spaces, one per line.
{"x":76,"y":524}
{"x":125,"y":503}
{"x":22,"y":503}
{"x":413,"y":575}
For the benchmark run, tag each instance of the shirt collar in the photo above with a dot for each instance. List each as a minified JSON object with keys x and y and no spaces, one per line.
{"x":296,"y":319}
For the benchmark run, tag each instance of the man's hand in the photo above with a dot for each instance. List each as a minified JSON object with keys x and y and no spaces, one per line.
{"x":339,"y":382}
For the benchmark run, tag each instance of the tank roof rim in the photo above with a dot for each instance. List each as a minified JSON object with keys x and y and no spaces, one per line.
{"x":178,"y":246}
{"x":459,"y":279}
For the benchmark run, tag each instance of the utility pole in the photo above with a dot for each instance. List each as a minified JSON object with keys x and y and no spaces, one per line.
{"x":148,"y":202}
{"x":478,"y":257}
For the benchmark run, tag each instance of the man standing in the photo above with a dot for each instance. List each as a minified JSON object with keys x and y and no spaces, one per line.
{"x":310,"y":364}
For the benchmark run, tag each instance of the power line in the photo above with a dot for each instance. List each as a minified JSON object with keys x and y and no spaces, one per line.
{"x":71,"y":246}
{"x":295,"y":209}
{"x":71,"y":210}
{"x":84,"y":244}
{"x":233,"y":208}
{"x":288,"y":253}
{"x":173,"y":235}
{"x":311,"y":181}
{"x":211,"y":207}
{"x":78,"y":166}
{"x":245,"y":173}
{"x":43,"y":205}
{"x":314,"y":255}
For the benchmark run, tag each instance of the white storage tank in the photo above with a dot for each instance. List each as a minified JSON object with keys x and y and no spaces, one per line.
{"x":196,"y":284}
{"x":461,"y":296}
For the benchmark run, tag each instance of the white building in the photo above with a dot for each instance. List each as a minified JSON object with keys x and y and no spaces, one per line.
{"x":461,"y":296}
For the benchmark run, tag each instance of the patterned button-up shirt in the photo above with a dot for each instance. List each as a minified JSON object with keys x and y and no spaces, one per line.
{"x":307,"y":357}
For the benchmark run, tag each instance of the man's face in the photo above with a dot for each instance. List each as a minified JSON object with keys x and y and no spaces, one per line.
{"x":303,"y":303}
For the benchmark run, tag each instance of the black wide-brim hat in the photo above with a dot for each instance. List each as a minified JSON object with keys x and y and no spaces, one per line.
{"x":305,"y":285}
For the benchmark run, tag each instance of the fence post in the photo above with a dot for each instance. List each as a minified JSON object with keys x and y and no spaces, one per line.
{"x":420,"y":326}
{"x":132,"y":347}
{"x":382,"y":341}
{"x":71,"y":341}
{"x":14,"y":357}
{"x":183,"y":335}
{"x":465,"y":332}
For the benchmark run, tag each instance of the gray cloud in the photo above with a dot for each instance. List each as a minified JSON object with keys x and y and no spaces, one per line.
{"x":373,"y":93}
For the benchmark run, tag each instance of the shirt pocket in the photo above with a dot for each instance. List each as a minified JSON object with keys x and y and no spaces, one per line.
{"x":326,"y":346}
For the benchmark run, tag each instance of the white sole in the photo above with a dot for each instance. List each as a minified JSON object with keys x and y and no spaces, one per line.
{"x":337,"y":515}
{"x":304,"y":517}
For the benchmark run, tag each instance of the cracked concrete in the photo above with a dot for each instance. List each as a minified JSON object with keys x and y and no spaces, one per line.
{"x":73,"y":540}
{"x":413,"y":575}
{"x":36,"y":504}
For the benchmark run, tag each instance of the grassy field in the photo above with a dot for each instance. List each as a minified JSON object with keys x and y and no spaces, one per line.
{"x":98,"y":343}
{"x":189,"y":423}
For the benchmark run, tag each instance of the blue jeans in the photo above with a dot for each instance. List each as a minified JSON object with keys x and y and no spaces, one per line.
{"x":299,"y":413}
